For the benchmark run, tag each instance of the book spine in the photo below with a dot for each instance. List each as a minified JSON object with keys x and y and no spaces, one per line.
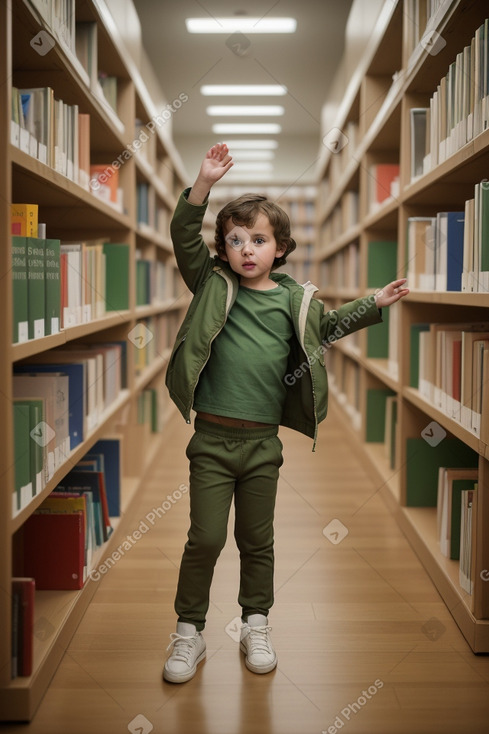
{"x":19,"y":290}
{"x":36,"y":287}
{"x":52,"y":275}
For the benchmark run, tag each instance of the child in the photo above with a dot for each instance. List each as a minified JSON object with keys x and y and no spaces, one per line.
{"x":248,"y":357}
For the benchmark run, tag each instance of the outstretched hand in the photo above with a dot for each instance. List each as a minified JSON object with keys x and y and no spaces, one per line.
{"x":391,"y":293}
{"x":216,"y":163}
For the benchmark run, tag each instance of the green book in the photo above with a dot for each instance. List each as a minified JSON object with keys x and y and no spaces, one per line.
{"x":378,"y":338}
{"x":22,"y":459}
{"x":376,"y":402}
{"x":35,"y":287}
{"x":52,"y":286}
{"x":37,"y":451}
{"x":381,"y":263}
{"x":154,"y":410}
{"x":116,"y":276}
{"x":423,"y":459}
{"x":20,"y":309}
{"x":484,"y":227}
{"x":142,"y":281}
{"x":458,"y":486}
{"x":416,"y":329}
{"x":392,"y":434}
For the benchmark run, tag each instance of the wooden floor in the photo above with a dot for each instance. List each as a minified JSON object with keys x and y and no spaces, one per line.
{"x":364,"y":642}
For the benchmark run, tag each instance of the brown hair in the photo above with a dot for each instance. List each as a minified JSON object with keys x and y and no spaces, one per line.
{"x":244,"y":212}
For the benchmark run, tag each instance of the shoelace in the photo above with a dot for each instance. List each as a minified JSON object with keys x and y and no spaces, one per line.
{"x":259,"y":640}
{"x":182,"y":646}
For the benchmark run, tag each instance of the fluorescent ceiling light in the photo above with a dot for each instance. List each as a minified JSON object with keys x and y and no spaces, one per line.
{"x":243,"y":90}
{"x":254,"y":166}
{"x":245,"y":110}
{"x":258,"y":176}
{"x":254,"y":144}
{"x":252,"y":155}
{"x":243,"y":24}
{"x":244,"y":128}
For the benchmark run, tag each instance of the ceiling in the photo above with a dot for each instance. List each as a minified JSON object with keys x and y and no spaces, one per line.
{"x":305,"y":62}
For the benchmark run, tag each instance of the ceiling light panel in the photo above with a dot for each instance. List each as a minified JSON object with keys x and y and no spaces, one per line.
{"x":254,"y":144}
{"x":243,"y":90}
{"x":238,"y":128}
{"x":244,"y":25}
{"x":242,"y":110}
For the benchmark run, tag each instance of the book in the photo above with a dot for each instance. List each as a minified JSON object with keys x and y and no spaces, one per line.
{"x":391,"y":429}
{"x":467,"y":558}
{"x":22,"y":459}
{"x":424,"y":456}
{"x":23,"y":219}
{"x":376,"y":414}
{"x":54,"y":432}
{"x":449,"y":251}
{"x":414,"y":351}
{"x":20,"y":309}
{"x":117,"y":276}
{"x":36,"y":287}
{"x":418,"y":229}
{"x":79,"y":480}
{"x":418,"y":116}
{"x":23,"y":591}
{"x":381,"y":263}
{"x":37,"y":453}
{"x":378,"y":338}
{"x":76,"y":390}
{"x":110,"y":451}
{"x":451,"y":482}
{"x":104,"y":182}
{"x":383,"y":183}
{"x":52,"y":278}
{"x":54,"y":549}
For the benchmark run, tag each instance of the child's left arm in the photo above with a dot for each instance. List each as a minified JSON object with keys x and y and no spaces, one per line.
{"x":391,"y":293}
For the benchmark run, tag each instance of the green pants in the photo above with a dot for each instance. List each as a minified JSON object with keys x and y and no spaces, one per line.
{"x":225,"y":463}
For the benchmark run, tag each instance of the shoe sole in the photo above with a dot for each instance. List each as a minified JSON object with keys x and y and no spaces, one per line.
{"x":174,"y":678}
{"x":260,"y":669}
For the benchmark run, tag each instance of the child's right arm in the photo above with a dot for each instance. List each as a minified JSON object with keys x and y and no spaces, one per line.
{"x":191,"y":252}
{"x":216,"y":163}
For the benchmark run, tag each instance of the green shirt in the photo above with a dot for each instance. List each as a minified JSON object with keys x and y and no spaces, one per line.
{"x":244,"y":376}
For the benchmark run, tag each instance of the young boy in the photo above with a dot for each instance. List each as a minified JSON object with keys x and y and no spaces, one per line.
{"x":248,"y":357}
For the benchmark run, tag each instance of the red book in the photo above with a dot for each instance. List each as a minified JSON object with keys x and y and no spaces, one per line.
{"x":54,"y":549}
{"x":25,"y":589}
{"x":385,"y":173}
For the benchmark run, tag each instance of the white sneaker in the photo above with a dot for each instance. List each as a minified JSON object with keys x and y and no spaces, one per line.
{"x":257,"y":645}
{"x":188,"y":651}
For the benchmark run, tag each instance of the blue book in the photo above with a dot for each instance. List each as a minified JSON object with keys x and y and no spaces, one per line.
{"x":76,"y":378}
{"x":109,"y":449}
{"x":450,"y":250}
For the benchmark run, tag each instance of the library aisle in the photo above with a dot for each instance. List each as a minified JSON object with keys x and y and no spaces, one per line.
{"x":364,"y":641}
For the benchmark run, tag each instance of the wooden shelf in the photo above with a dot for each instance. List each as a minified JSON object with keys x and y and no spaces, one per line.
{"x":73,"y":213}
{"x":37,"y":346}
{"x":381,"y":106}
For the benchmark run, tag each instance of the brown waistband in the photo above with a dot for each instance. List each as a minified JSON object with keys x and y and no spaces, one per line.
{"x":231,"y":422}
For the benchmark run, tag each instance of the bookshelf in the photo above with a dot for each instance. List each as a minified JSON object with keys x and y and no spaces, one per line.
{"x":363,"y":215}
{"x":73,"y":212}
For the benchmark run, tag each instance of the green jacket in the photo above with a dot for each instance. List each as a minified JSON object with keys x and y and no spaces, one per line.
{"x":215,"y":287}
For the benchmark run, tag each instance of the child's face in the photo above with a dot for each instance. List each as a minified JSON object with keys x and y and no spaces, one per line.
{"x":251,"y":252}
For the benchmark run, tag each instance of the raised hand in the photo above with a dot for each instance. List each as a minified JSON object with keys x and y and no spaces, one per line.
{"x":216,"y":163}
{"x":391,"y":293}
